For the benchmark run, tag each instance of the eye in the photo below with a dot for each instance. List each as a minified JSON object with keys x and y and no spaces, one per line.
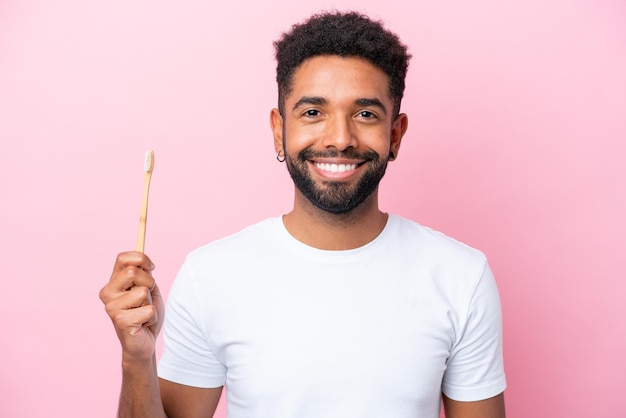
{"x":311,"y":113}
{"x":366,"y":114}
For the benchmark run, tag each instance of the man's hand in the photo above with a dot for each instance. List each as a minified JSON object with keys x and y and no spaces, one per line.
{"x":133,"y":301}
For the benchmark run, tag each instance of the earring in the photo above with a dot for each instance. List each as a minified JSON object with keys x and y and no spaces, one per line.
{"x":278,"y":157}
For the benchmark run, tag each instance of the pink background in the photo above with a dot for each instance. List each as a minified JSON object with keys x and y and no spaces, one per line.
{"x":516,"y":145}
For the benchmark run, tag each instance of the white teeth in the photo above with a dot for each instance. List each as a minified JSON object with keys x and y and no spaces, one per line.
{"x":336,"y":168}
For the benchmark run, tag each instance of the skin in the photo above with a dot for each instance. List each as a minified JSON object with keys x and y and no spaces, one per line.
{"x":135,"y":305}
{"x":338,"y":104}
{"x":488,"y":408}
{"x":341,"y":121}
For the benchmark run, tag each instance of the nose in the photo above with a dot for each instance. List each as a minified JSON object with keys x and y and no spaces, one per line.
{"x":340,"y":133}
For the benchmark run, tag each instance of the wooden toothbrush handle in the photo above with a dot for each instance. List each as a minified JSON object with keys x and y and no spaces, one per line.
{"x":143,"y":217}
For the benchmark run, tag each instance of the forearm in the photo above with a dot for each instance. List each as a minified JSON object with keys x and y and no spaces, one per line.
{"x":140,"y":395}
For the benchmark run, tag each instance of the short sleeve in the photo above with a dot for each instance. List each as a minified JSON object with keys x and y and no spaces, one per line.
{"x":475,"y":368}
{"x":187,"y":357}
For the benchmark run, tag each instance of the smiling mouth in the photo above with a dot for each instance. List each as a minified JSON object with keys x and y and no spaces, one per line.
{"x":336,"y":168}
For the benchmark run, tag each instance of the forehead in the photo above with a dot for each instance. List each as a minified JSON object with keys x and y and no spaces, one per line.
{"x":332,"y":76}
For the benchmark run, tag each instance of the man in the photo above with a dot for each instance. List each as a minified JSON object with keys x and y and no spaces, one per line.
{"x":335,"y":309}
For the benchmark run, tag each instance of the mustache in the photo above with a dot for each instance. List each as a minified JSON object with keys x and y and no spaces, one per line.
{"x":349,"y":153}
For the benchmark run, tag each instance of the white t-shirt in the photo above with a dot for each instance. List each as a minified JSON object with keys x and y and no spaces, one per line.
{"x":294,"y":331}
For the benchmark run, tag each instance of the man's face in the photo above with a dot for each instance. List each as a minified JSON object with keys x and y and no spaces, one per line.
{"x":337,"y":131}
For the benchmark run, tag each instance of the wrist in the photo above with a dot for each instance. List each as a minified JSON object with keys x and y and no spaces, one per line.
{"x":131,"y":362}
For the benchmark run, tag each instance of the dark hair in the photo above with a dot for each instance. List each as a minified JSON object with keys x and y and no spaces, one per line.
{"x":348,"y":34}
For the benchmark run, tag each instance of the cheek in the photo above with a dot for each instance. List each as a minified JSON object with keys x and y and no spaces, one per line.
{"x":378,"y":140}
{"x":298,"y":138}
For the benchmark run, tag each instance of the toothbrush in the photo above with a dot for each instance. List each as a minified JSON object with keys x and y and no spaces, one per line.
{"x":148,"y":166}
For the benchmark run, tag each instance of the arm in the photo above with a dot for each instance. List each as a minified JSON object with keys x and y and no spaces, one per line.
{"x":488,"y":408}
{"x":140,"y":394}
{"x":182,"y":401}
{"x":475,"y":368}
{"x":133,"y":301}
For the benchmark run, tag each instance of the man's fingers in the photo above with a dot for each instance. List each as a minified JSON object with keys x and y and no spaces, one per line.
{"x":133,"y":302}
{"x":131,"y":321}
{"x":134,"y":298}
{"x":154,"y":319}
{"x":132,"y":276}
{"x":124,"y":282}
{"x":125,"y":279}
{"x":132,"y":258}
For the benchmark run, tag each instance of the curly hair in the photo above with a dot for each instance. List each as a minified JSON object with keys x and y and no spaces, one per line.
{"x":346,"y":34}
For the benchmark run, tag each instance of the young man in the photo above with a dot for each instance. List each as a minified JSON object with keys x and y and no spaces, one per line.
{"x":335,"y":309}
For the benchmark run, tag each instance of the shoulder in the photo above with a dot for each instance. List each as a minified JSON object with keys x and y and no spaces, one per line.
{"x":237,"y":249}
{"x":252,"y":235}
{"x":433,"y":244}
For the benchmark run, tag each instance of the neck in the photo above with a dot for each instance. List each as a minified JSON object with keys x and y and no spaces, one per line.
{"x":328,"y":231}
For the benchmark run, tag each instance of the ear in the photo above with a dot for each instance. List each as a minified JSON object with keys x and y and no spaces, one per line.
{"x":276,"y":122}
{"x":398,"y":129}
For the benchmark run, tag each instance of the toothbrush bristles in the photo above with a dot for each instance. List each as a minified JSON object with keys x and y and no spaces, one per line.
{"x":148,"y":162}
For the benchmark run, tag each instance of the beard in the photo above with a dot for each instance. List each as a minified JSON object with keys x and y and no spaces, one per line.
{"x":336,"y":197}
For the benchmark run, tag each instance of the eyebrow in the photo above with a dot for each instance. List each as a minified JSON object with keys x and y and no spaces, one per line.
{"x":318,"y":101}
{"x":310,"y":100}
{"x":371,"y":102}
